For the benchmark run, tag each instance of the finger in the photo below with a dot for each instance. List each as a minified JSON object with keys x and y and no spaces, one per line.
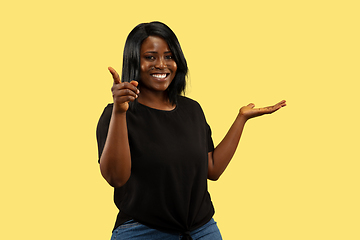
{"x":126,"y":85}
{"x":115,"y":75}
{"x":124,"y":91}
{"x":282,"y":103}
{"x":125,"y":88}
{"x":124,"y":95}
{"x":124,"y":99}
{"x":276,"y":106}
{"x":270,"y":109}
{"x":132,"y":85}
{"x":251,"y":105}
{"x":135,"y":83}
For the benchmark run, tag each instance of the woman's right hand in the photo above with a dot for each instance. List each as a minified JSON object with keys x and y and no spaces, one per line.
{"x":123,"y":92}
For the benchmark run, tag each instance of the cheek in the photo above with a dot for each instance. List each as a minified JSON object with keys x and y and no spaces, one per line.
{"x":174,"y":67}
{"x":143,"y":68}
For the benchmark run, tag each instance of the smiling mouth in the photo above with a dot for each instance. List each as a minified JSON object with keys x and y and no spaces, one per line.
{"x":160,"y":75}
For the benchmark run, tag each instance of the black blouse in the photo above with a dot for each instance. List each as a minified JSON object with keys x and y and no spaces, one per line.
{"x":167,"y":189}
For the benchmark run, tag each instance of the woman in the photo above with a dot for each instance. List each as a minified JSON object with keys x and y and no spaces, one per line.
{"x":155,"y":146}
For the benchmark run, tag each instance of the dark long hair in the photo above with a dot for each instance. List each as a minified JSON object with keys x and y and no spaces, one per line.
{"x":131,"y":58}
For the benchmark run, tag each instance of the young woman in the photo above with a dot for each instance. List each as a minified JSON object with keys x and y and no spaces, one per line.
{"x":155,"y":146}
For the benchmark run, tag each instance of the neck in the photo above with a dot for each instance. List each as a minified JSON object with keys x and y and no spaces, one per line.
{"x":157,"y":100}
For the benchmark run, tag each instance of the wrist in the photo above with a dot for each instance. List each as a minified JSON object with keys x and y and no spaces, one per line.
{"x":118,"y":111}
{"x":242,"y":118}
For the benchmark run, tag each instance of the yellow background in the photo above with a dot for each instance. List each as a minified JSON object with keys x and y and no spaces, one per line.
{"x":295,"y":174}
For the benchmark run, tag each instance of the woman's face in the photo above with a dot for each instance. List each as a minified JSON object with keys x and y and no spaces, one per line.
{"x":157,"y":65}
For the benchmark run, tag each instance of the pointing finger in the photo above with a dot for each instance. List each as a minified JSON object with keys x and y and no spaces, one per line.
{"x":115,"y":75}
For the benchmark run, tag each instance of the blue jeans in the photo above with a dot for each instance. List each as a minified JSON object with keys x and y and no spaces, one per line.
{"x":136,"y":231}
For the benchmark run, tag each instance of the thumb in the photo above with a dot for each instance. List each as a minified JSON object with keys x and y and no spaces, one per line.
{"x":251,"y":105}
{"x":135,"y":83}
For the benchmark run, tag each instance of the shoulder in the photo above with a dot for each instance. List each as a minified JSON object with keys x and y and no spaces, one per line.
{"x":108,"y":109}
{"x":182,"y":100}
{"x":190,"y":106}
{"x":106,"y":114}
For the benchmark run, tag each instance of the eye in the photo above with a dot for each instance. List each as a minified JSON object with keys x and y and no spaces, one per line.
{"x":149,"y":57}
{"x":169,"y":57}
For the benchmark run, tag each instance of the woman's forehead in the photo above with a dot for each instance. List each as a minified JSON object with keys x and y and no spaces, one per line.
{"x":154,"y":43}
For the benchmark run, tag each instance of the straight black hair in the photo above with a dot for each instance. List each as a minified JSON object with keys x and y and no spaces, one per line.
{"x":131,"y":58}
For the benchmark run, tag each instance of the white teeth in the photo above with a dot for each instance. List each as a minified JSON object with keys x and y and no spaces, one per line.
{"x":159,"y":75}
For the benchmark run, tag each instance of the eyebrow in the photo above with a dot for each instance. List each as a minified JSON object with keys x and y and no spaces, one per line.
{"x":157,"y":52}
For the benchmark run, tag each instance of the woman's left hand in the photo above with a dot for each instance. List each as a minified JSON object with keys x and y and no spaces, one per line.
{"x":249,"y":111}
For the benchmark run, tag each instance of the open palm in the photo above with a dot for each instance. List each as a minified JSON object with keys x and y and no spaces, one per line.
{"x":250,"y":112}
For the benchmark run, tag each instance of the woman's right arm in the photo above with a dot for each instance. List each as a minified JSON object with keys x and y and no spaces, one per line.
{"x":115,"y":160}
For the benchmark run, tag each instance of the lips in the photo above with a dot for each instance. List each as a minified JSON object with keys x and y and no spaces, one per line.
{"x":160,"y":76}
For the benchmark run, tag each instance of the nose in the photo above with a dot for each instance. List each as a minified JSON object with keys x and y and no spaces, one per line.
{"x":160,"y":64}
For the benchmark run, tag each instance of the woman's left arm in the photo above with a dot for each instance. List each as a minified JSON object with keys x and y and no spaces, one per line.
{"x":222,"y":154}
